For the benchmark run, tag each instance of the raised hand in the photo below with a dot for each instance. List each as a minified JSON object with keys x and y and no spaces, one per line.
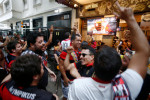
{"x":123,"y":12}
{"x":70,"y":49}
{"x":51,"y":28}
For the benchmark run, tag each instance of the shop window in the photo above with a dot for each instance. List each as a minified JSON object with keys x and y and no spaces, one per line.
{"x":37,"y":2}
{"x":38,"y":22}
{"x":25,"y":4}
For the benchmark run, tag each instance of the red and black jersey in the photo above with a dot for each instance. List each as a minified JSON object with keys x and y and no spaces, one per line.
{"x":63,"y":56}
{"x":85,"y":70}
{"x":10,"y":58}
{"x":9,"y":91}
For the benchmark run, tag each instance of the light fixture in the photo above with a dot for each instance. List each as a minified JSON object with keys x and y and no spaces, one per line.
{"x":148,"y":6}
{"x":75,"y":5}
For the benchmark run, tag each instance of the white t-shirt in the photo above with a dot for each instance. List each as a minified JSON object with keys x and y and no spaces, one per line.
{"x":65,"y":44}
{"x":89,"y":89}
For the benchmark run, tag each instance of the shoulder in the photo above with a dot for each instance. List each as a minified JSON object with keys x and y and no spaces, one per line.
{"x":27,"y":52}
{"x":82,"y":81}
{"x":79,"y":87}
{"x":133,"y":80}
{"x":44,"y":95}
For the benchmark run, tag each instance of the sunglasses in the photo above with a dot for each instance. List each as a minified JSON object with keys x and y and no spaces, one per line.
{"x":83,"y":54}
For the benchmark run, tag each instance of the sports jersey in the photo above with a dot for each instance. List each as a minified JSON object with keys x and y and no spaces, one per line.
{"x":85,"y":70}
{"x":9,"y":91}
{"x":44,"y":80}
{"x":90,"y":89}
{"x":10,"y":58}
{"x":65,"y":43}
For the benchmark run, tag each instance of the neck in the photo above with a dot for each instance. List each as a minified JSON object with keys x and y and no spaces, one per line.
{"x":95,"y":78}
{"x":75,"y":48}
{"x":32,"y":49}
{"x":15,"y":54}
{"x":34,"y":83}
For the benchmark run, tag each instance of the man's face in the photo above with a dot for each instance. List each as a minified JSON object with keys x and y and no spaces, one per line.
{"x":77,"y":42}
{"x":39,"y":44}
{"x":18,"y":48}
{"x":86,"y":57}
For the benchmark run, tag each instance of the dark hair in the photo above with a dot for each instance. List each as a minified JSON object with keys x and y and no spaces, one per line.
{"x":31,"y":38}
{"x":67,"y":35}
{"x":91,"y":50}
{"x":12,"y":45}
{"x":24,"y":68}
{"x":107,"y":63}
{"x":56,"y":42}
{"x":73,"y":37}
{"x":84,"y":44}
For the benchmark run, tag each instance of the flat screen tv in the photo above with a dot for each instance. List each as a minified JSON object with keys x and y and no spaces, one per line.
{"x":102,"y":26}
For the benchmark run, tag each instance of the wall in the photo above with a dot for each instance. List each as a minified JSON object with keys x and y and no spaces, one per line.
{"x":17,"y":5}
{"x":46,"y":5}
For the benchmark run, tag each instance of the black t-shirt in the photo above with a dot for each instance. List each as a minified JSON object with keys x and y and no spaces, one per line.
{"x":8,"y":91}
{"x":3,"y":74}
{"x":84,"y":70}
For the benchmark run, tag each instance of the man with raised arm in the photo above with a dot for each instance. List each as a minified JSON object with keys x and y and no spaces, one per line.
{"x":84,"y":67}
{"x":66,"y":77}
{"x":106,"y":84}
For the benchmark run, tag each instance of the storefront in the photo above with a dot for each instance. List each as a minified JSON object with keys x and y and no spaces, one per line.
{"x":97,"y":19}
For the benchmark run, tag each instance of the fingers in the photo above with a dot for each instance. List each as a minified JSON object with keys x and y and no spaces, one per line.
{"x":118,"y":6}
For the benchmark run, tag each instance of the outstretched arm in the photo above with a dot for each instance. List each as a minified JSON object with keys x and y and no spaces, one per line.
{"x":5,"y":43}
{"x":50,"y":36}
{"x":139,"y":41}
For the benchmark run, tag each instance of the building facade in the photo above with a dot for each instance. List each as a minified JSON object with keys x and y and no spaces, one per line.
{"x":30,"y":14}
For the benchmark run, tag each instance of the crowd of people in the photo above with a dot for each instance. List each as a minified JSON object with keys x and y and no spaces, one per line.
{"x":87,"y":72}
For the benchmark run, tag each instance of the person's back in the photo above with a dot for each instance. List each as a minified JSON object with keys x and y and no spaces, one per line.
{"x":9,"y":91}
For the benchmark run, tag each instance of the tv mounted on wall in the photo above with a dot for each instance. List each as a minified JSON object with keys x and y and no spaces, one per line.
{"x":102,"y":26}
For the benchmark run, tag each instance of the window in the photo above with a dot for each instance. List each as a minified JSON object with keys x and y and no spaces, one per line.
{"x":25,"y":4}
{"x":7,"y":6}
{"x":37,"y":2}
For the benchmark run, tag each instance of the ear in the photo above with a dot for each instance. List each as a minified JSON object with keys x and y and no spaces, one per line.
{"x":13,"y":50}
{"x":35,"y":77}
{"x":72,"y":41}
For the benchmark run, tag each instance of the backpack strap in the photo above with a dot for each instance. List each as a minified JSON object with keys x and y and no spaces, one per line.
{"x":120,"y":89}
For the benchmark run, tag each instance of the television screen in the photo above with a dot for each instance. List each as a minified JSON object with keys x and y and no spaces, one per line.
{"x":102,"y":26}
